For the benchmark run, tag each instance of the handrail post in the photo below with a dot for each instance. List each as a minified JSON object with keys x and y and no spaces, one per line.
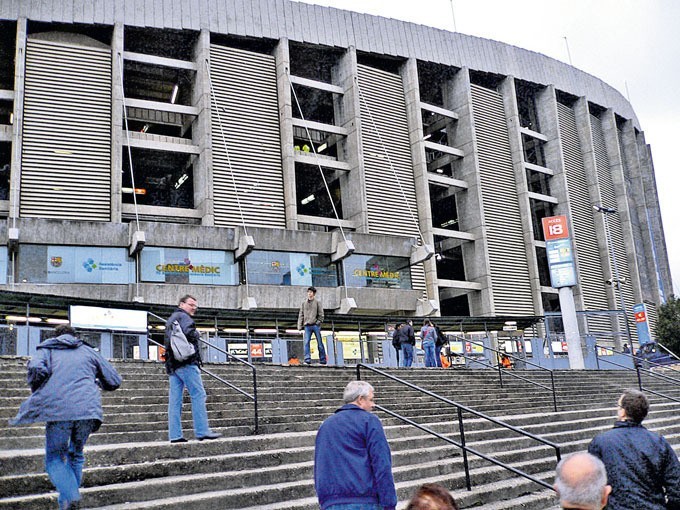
{"x":255,"y":401}
{"x":466,"y":465}
{"x":359,"y":372}
{"x":552,"y":381}
{"x":500,"y":374}
{"x":639,"y":377}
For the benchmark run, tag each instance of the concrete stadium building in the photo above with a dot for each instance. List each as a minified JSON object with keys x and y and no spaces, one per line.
{"x":242,"y":150}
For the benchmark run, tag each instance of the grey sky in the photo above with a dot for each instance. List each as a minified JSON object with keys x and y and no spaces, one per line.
{"x":630,"y":44}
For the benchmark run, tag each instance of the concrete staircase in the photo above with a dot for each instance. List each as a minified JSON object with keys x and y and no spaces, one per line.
{"x":130,"y":463}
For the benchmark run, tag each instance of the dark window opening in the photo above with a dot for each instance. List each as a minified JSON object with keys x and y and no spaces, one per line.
{"x":431,"y":78}
{"x":526,"y":105}
{"x":533,"y":150}
{"x":313,"y":62}
{"x":5,"y":169}
{"x":382,"y":62}
{"x":259,"y":45}
{"x":596,"y":109}
{"x":316,"y":105}
{"x":327,"y":145}
{"x":154,"y":128}
{"x":442,"y":163}
{"x":6,"y":112}
{"x":543,"y":267}
{"x":620,"y":122}
{"x":101,"y":33}
{"x":158,"y":83}
{"x":168,"y":43}
{"x":454,"y":307}
{"x":538,"y":182}
{"x":449,"y":258}
{"x":540,"y":210}
{"x":551,"y":303}
{"x":7,"y":51}
{"x":438,"y":128}
{"x":443,"y":207}
{"x":311,"y":195}
{"x":162,"y":178}
{"x":565,"y":98}
{"x":487,"y":80}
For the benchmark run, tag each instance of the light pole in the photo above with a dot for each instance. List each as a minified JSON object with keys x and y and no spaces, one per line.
{"x":615,"y":281}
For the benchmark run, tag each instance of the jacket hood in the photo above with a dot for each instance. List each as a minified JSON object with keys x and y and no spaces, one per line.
{"x":61,"y":342}
{"x":626,"y":423}
{"x":349,"y":407}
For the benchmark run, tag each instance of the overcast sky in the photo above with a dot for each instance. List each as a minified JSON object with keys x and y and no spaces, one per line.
{"x":633,"y":45}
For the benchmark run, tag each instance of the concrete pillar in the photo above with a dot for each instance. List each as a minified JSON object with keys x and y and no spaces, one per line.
{"x":282,"y":56}
{"x":117,"y":122}
{"x":409,"y":75}
{"x":17,"y":126}
{"x":509,"y":93}
{"x":202,"y":132}
{"x":347,"y":115}
{"x":458,"y":97}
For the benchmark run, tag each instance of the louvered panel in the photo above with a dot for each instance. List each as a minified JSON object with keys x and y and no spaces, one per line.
{"x":245,"y":86}
{"x":504,"y":230}
{"x":66,"y":151}
{"x":652,"y":318}
{"x":608,"y":199}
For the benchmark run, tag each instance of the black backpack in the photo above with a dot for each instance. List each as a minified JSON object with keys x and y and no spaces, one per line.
{"x":440,"y":338}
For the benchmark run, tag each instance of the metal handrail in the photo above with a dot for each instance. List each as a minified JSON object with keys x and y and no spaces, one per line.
{"x":230,"y":356}
{"x":637,"y":369}
{"x":460,"y":408}
{"x":502,"y":370}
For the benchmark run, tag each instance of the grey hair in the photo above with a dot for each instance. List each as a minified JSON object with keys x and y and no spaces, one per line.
{"x":356,"y":389}
{"x":585,"y":489}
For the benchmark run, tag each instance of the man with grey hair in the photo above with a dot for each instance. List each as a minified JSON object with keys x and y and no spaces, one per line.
{"x":642,"y":466}
{"x":352,"y":460}
{"x":581,"y":482}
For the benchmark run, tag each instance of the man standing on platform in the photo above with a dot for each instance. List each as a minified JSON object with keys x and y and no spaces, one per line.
{"x":311,"y":317}
{"x":352,"y":460}
{"x":186,"y":374}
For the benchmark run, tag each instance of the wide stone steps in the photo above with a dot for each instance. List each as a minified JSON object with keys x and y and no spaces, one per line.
{"x":131,"y":465}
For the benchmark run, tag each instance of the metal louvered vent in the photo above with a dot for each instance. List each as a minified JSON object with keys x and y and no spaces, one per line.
{"x":608,"y":199}
{"x":591,"y":277}
{"x":245,"y":86}
{"x":388,"y":213}
{"x":504,"y":230}
{"x":66,"y":151}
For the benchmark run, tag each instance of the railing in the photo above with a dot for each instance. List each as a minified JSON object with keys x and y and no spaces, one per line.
{"x":502,"y":370}
{"x":230,"y":356}
{"x":638,"y":369}
{"x":460,"y":408}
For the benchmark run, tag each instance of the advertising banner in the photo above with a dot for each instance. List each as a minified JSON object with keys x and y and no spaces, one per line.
{"x":642,"y":324}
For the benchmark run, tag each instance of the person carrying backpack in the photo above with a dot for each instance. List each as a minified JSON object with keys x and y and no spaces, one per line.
{"x":439,"y":342}
{"x":399,"y":337}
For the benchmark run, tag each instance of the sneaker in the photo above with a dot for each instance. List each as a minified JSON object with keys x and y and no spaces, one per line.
{"x":179,"y":440}
{"x":211,"y":435}
{"x":308,"y":362}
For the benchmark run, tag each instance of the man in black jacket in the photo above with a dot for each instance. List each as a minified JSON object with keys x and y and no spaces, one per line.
{"x":186,"y":374}
{"x":642,"y":467}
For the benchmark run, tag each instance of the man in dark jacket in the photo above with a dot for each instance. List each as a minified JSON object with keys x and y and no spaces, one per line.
{"x":642,"y":467}
{"x":65,"y":377}
{"x":352,"y":460}
{"x":186,"y":374}
{"x":408,"y":345}
{"x":310,"y":317}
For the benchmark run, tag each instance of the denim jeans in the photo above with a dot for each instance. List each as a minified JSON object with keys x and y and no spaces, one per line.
{"x":64,"y":459}
{"x":316,"y":329}
{"x":438,"y":355}
{"x":429,"y":349}
{"x":356,"y":506}
{"x":407,"y":352}
{"x":188,"y":376}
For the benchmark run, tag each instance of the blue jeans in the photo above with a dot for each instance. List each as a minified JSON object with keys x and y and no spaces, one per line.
{"x":356,"y":506}
{"x":429,"y":349}
{"x":64,"y":459}
{"x":316,"y":329}
{"x":407,"y":352}
{"x":188,"y":376}
{"x":438,"y":355}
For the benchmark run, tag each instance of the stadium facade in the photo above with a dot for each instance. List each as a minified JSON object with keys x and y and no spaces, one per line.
{"x":242,"y":150}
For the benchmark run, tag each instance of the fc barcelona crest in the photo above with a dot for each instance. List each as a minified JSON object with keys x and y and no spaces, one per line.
{"x":56,"y":261}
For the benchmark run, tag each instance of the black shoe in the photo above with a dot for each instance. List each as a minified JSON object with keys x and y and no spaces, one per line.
{"x":179,"y":440}
{"x":308,"y":362}
{"x":322,"y":362}
{"x":212,"y":435}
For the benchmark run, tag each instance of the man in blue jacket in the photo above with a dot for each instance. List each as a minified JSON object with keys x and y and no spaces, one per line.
{"x":642,"y":467}
{"x":65,"y":377}
{"x":352,"y":460}
{"x":186,"y":374}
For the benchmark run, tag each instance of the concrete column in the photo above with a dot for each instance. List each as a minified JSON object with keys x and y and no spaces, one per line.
{"x":409,"y":75}
{"x":347,"y":114}
{"x":458,"y":97}
{"x":571,"y":331}
{"x":202,"y":132}
{"x":616,"y":163}
{"x":509,"y":93}
{"x":17,"y":126}
{"x":282,"y":56}
{"x":117,"y":123}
